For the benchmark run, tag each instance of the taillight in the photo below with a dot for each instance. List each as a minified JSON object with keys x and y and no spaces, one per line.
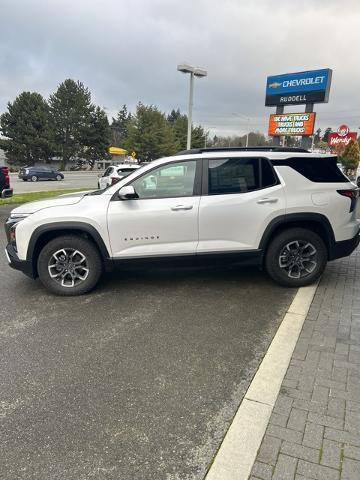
{"x":352,"y":194}
{"x":114,"y":180}
{"x":5,"y":171}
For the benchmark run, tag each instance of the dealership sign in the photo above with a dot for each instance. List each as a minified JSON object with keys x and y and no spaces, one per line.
{"x":343,"y":136}
{"x":298,"y":88}
{"x":301,"y":124}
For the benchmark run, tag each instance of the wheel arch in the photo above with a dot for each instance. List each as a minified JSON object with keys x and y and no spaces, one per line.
{"x":315,"y":222}
{"x":45,"y":233}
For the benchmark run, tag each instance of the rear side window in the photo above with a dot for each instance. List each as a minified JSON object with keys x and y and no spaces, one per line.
{"x":320,"y":170}
{"x":239,"y":175}
{"x":125,"y":171}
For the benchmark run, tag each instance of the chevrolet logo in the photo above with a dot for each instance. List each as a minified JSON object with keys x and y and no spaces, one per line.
{"x":274,"y":85}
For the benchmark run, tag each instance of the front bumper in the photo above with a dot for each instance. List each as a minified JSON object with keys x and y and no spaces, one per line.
{"x":345,"y":247}
{"x":24,"y":266}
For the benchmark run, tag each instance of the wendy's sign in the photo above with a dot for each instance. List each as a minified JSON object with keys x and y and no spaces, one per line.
{"x":343,"y":136}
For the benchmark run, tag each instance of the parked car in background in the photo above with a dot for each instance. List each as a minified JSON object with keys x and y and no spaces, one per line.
{"x":5,"y":190}
{"x":114,"y":173}
{"x":39,"y":173}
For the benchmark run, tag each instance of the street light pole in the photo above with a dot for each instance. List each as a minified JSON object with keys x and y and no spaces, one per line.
{"x":191,"y":96}
{"x":194,"y":72}
{"x":248,"y":125}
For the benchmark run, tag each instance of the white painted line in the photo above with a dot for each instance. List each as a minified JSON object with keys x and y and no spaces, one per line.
{"x":238,"y":450}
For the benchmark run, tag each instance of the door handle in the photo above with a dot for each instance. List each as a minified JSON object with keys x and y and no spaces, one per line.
{"x":267,"y":200}
{"x":182,"y":207}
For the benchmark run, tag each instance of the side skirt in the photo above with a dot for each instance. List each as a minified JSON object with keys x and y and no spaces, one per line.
{"x":248,"y":257}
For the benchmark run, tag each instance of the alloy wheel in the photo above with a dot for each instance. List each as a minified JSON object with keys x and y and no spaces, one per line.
{"x":68,"y":267}
{"x":298,"y":258}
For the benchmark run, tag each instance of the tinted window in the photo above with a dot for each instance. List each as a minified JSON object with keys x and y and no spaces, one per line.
{"x":175,"y":180}
{"x":268,"y":176}
{"x":233,"y":175}
{"x":323,"y":170}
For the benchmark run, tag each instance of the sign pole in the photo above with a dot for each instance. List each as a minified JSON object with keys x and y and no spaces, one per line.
{"x":306,"y":141}
{"x":279,"y":110}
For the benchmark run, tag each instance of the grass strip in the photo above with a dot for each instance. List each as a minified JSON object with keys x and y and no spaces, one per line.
{"x":32,"y":196}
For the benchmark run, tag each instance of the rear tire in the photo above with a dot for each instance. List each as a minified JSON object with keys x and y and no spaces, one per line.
{"x":58,"y":178}
{"x":69,"y":265}
{"x":296,"y":257}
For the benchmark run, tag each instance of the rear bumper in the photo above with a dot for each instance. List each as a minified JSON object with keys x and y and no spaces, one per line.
{"x":345,"y":247}
{"x":7,"y":192}
{"x":24,"y":266}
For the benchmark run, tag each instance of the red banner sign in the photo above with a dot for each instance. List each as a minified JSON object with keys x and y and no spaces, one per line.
{"x":342,"y":137}
{"x":291,"y":124}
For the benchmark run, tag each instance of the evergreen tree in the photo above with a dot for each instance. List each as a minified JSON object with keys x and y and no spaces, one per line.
{"x":317,"y":137}
{"x":327,"y":132}
{"x":350,"y":158}
{"x":173,"y":116}
{"x":179,"y":123}
{"x":28,"y":130}
{"x":120,"y":127}
{"x":150,"y":134}
{"x":96,"y":137}
{"x":70,"y":108}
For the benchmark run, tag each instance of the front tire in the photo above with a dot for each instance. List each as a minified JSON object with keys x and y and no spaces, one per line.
{"x":296,"y":257}
{"x":34,"y":178}
{"x":69,"y":265}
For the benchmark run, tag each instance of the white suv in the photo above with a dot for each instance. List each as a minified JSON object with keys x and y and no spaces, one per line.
{"x":286,"y":210}
{"x":114,"y":173}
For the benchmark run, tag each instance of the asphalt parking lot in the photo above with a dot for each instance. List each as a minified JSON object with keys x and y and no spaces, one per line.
{"x":85,"y":180}
{"x":137,"y":380}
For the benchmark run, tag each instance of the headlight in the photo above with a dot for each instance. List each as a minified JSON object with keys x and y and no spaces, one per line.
{"x":10,"y":227}
{"x":19,"y":216}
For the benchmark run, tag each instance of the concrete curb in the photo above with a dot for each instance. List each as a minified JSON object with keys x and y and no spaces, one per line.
{"x":237,"y":453}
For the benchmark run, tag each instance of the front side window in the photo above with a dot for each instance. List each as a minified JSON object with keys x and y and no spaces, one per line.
{"x":174,"y":180}
{"x":233,"y":175}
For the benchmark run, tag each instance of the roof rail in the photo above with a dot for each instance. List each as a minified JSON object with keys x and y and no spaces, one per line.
{"x":242,"y":149}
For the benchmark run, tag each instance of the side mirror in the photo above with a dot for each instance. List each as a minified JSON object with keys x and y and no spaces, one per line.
{"x":127,"y":193}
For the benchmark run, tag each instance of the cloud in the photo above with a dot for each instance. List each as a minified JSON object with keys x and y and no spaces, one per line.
{"x":128,"y":51}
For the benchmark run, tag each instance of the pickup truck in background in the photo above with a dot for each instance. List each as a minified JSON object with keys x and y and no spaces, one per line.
{"x":5,"y":190}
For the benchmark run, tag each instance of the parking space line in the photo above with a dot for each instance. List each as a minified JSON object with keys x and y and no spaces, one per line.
{"x":239,"y":447}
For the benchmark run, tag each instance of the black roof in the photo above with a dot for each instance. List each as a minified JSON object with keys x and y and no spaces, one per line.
{"x":243,"y":149}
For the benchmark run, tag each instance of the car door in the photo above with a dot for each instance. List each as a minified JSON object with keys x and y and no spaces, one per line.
{"x":163,"y":220}
{"x":241,"y":197}
{"x":104,"y":181}
{"x":42,"y":173}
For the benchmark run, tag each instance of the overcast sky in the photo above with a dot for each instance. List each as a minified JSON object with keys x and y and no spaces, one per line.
{"x":127,"y":51}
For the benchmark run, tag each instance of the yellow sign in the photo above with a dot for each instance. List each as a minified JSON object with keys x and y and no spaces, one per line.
{"x":133,"y":154}
{"x":117,"y":151}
